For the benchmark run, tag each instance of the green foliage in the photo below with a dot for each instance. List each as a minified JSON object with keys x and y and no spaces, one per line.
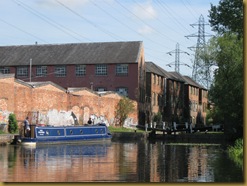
{"x":13,"y":127}
{"x":157,"y":118}
{"x":2,"y":132}
{"x":226,"y":52}
{"x":227,"y":16}
{"x":124,"y":107}
{"x":227,"y":90}
{"x":123,"y":129}
{"x":236,"y":152}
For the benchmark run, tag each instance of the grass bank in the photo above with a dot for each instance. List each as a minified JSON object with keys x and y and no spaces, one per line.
{"x":236,"y":152}
{"x":123,"y":129}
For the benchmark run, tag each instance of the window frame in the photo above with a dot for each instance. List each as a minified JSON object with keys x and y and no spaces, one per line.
{"x":41,"y":71}
{"x":100,"y":89}
{"x":122,"y":70}
{"x":60,"y":71}
{"x":80,"y":70}
{"x":101,"y":70}
{"x":22,"y":71}
{"x":5,"y":70}
{"x":125,"y":89}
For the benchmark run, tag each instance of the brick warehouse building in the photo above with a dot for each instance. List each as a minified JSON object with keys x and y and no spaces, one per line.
{"x":109,"y":66}
{"x":175,"y":96}
{"x":105,"y":66}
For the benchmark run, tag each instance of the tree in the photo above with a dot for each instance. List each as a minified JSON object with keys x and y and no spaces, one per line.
{"x":227,"y":90}
{"x":157,"y":118}
{"x":124,"y":107}
{"x":226,"y":50}
{"x":227,"y":17}
{"x":13,"y":127}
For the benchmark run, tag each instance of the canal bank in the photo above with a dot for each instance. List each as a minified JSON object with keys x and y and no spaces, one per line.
{"x":6,"y":138}
{"x":214,"y":138}
{"x":171,"y":138}
{"x":140,"y":136}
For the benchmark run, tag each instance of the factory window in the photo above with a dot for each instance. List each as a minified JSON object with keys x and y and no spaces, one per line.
{"x":41,"y":71}
{"x":101,"y":70}
{"x":22,"y":71}
{"x":122,"y":91}
{"x":80,"y":70}
{"x":60,"y":71}
{"x":4,"y":70}
{"x":122,"y":69}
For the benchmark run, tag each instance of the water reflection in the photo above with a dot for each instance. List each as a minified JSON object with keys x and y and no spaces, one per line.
{"x":118,"y":162}
{"x":47,"y":153}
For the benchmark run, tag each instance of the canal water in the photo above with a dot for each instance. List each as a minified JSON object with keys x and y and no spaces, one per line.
{"x":142,"y":161}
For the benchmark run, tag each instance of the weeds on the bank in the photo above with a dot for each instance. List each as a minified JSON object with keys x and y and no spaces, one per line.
{"x":236,"y":152}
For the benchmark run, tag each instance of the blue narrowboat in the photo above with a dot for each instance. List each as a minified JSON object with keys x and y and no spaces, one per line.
{"x":66,"y":134}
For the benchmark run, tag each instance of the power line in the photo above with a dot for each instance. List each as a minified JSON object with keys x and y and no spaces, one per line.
{"x":127,"y":25}
{"x":142,"y":22}
{"x":170,"y":12}
{"x":49,"y":21}
{"x":188,"y":9}
{"x":162,"y":22}
{"x":195,"y":10}
{"x":23,"y":31}
{"x":146,"y":23}
{"x":88,"y":21}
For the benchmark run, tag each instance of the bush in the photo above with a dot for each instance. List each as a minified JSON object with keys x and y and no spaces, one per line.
{"x":13,"y":127}
{"x":236,"y":152}
{"x":124,"y":107}
{"x":157,"y":118}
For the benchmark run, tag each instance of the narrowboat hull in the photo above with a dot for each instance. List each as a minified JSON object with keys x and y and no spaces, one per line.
{"x":66,"y":134}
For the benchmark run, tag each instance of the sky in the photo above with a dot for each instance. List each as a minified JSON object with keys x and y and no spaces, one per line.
{"x":160,"y":24}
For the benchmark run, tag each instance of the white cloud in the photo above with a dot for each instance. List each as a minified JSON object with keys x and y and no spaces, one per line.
{"x":145,"y":11}
{"x":145,"y":30}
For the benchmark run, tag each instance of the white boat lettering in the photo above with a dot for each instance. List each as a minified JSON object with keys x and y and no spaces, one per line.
{"x":41,"y":132}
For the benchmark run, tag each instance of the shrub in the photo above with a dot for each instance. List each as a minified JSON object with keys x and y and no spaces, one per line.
{"x":13,"y":127}
{"x":157,"y":118}
{"x":124,"y":107}
{"x":236,"y":152}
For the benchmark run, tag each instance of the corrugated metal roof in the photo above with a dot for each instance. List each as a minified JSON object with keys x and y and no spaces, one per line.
{"x":77,"y":53}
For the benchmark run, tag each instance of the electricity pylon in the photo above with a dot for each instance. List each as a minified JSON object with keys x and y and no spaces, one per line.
{"x":201,"y":69}
{"x":177,"y":52}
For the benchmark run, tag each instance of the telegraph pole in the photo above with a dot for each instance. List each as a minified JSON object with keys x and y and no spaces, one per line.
{"x":201,"y":69}
{"x":177,"y":52}
{"x":30,"y":72}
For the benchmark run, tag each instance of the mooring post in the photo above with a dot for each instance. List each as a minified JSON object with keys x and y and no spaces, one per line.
{"x":190,"y":127}
{"x":186,"y":126}
{"x":174,"y":126}
{"x":164,"y":125}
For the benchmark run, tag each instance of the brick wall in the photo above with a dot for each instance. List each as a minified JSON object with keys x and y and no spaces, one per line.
{"x":50,"y":104}
{"x":110,"y":82}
